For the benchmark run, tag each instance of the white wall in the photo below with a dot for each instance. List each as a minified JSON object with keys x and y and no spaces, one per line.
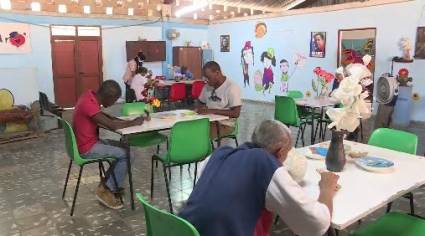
{"x":291,"y":34}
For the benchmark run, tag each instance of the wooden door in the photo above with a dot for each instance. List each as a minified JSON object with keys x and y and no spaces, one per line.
{"x":64,"y":70}
{"x":191,"y":57}
{"x":77,"y":67}
{"x":89,"y":64}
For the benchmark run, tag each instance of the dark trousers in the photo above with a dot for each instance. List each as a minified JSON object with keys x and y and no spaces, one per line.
{"x":130,"y":96}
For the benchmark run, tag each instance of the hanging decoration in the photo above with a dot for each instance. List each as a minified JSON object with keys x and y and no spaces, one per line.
{"x":260,"y":29}
{"x":14,"y":38}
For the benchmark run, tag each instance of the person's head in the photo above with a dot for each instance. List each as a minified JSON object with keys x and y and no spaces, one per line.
{"x":108,"y":93}
{"x":142,"y":70}
{"x":319,"y":41}
{"x":268,"y":59}
{"x":224,"y":42}
{"x":212,"y":72}
{"x":273,"y":136}
{"x":141,"y":56}
{"x":284,"y":66}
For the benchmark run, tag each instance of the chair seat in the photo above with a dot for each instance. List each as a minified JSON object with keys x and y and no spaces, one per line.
{"x":393,"y":224}
{"x":95,"y":159}
{"x":147,"y":139}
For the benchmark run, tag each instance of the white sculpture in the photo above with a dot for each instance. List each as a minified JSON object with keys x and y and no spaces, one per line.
{"x":406,"y":46}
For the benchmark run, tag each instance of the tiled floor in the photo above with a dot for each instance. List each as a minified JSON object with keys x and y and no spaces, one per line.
{"x":32,"y":173}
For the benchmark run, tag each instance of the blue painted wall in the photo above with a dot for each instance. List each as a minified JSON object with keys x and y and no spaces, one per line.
{"x":291,"y":34}
{"x":113,"y":46}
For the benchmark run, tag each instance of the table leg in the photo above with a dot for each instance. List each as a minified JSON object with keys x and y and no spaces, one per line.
{"x":124,"y":140}
{"x":312,"y":130}
{"x":218,"y":134}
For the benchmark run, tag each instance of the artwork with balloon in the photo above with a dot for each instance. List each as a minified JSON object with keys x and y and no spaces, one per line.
{"x":14,"y":38}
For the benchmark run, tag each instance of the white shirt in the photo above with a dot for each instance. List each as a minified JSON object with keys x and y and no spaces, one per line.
{"x":138,"y":85}
{"x":304,"y":215}
{"x":226,"y":96}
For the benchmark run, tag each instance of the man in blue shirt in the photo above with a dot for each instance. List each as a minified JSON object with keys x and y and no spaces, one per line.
{"x":236,"y":184}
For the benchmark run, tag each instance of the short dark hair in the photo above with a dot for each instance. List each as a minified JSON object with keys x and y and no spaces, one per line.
{"x":283,"y":61}
{"x":142,"y":70}
{"x":319,"y":34}
{"x":212,"y":65}
{"x":110,"y":88}
{"x":266,"y":55}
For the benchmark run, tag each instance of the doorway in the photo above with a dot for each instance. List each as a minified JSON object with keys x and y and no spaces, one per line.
{"x":76,"y":62}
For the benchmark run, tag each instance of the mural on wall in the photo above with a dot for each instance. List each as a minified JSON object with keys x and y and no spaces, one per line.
{"x":224,"y":43}
{"x":420,"y":43}
{"x":247,"y":58}
{"x":269,"y":61}
{"x":284,"y":78}
{"x":318,"y":44}
{"x":321,"y":85}
{"x":14,"y":38}
{"x":260,"y":29}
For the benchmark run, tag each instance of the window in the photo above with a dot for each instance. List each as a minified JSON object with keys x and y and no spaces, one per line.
{"x":35,"y":6}
{"x":86,"y":9}
{"x":5,"y":4}
{"x":130,"y":11}
{"x":63,"y":30}
{"x":62,"y":8}
{"x":88,"y":31}
{"x":109,"y":10}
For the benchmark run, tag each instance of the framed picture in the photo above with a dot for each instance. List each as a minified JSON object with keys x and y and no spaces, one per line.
{"x":420,"y":43}
{"x":353,"y":44}
{"x":318,"y":44}
{"x":224,"y":43}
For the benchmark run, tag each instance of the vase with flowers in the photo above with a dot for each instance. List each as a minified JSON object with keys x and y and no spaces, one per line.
{"x":347,"y":117}
{"x":321,"y":84}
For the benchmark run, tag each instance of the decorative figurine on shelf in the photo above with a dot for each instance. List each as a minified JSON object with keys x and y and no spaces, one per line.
{"x":406,"y":46}
{"x":323,"y":80}
{"x":403,"y":78}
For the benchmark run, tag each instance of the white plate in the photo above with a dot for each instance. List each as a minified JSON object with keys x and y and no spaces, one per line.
{"x":375,"y":164}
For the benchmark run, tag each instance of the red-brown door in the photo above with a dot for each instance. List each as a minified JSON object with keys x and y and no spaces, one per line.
{"x":64,"y":70}
{"x":77,"y":67}
{"x":89,"y":63}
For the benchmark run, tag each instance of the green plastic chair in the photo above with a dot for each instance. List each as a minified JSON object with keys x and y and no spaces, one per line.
{"x":162,"y":223}
{"x":147,"y":139}
{"x":396,"y":140}
{"x":233,"y":135}
{"x":74,"y":155}
{"x":393,"y":224}
{"x":295,"y":94}
{"x":285,"y":111}
{"x":189,"y":143}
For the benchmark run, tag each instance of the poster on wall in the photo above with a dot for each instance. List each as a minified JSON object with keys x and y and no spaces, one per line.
{"x":318,"y":44}
{"x":353,"y":44}
{"x":14,"y":38}
{"x":224,"y":43}
{"x":420,"y":43}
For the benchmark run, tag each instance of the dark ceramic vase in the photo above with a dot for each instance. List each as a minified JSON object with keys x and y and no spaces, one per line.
{"x":335,"y":158}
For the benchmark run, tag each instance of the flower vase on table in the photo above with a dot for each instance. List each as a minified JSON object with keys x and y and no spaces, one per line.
{"x":335,"y":158}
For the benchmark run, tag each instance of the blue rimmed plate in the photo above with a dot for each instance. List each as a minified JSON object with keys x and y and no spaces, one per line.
{"x":375,"y":164}
{"x":317,"y":153}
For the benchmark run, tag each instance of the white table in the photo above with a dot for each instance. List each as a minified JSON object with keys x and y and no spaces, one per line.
{"x":316,"y":103}
{"x":364,"y":192}
{"x":159,"y":121}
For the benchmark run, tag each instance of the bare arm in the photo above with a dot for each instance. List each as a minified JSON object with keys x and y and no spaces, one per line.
{"x":234,"y":112}
{"x":103,"y":119}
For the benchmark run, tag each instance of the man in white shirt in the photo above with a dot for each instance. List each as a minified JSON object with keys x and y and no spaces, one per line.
{"x":220,"y":96}
{"x":237,"y":184}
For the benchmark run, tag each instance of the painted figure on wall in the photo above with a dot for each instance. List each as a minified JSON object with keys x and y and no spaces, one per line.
{"x":284,"y":78}
{"x":247,"y":58}
{"x":258,"y":80}
{"x":268,"y":59}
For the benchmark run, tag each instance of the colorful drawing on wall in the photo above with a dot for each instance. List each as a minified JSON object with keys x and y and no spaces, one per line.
{"x":299,"y":60}
{"x":284,"y":78}
{"x":318,"y":44}
{"x":356,"y":43}
{"x":258,"y":80}
{"x":247,"y":58}
{"x":14,"y":38}
{"x":224,"y":43}
{"x":268,"y":59}
{"x":321,"y":84}
{"x":260,"y":29}
{"x":420,"y":43}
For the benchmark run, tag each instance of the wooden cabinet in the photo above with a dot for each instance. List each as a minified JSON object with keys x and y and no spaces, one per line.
{"x":191,"y":57}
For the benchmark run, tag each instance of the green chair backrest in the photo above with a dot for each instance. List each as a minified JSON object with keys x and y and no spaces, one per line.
{"x":294,"y":94}
{"x":71,"y":144}
{"x":162,"y":223}
{"x":393,"y":139}
{"x":285,"y":111}
{"x":189,"y":141}
{"x":135,"y":108}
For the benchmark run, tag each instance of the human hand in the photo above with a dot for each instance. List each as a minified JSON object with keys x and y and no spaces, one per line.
{"x":329,"y":182}
{"x":202,"y":110}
